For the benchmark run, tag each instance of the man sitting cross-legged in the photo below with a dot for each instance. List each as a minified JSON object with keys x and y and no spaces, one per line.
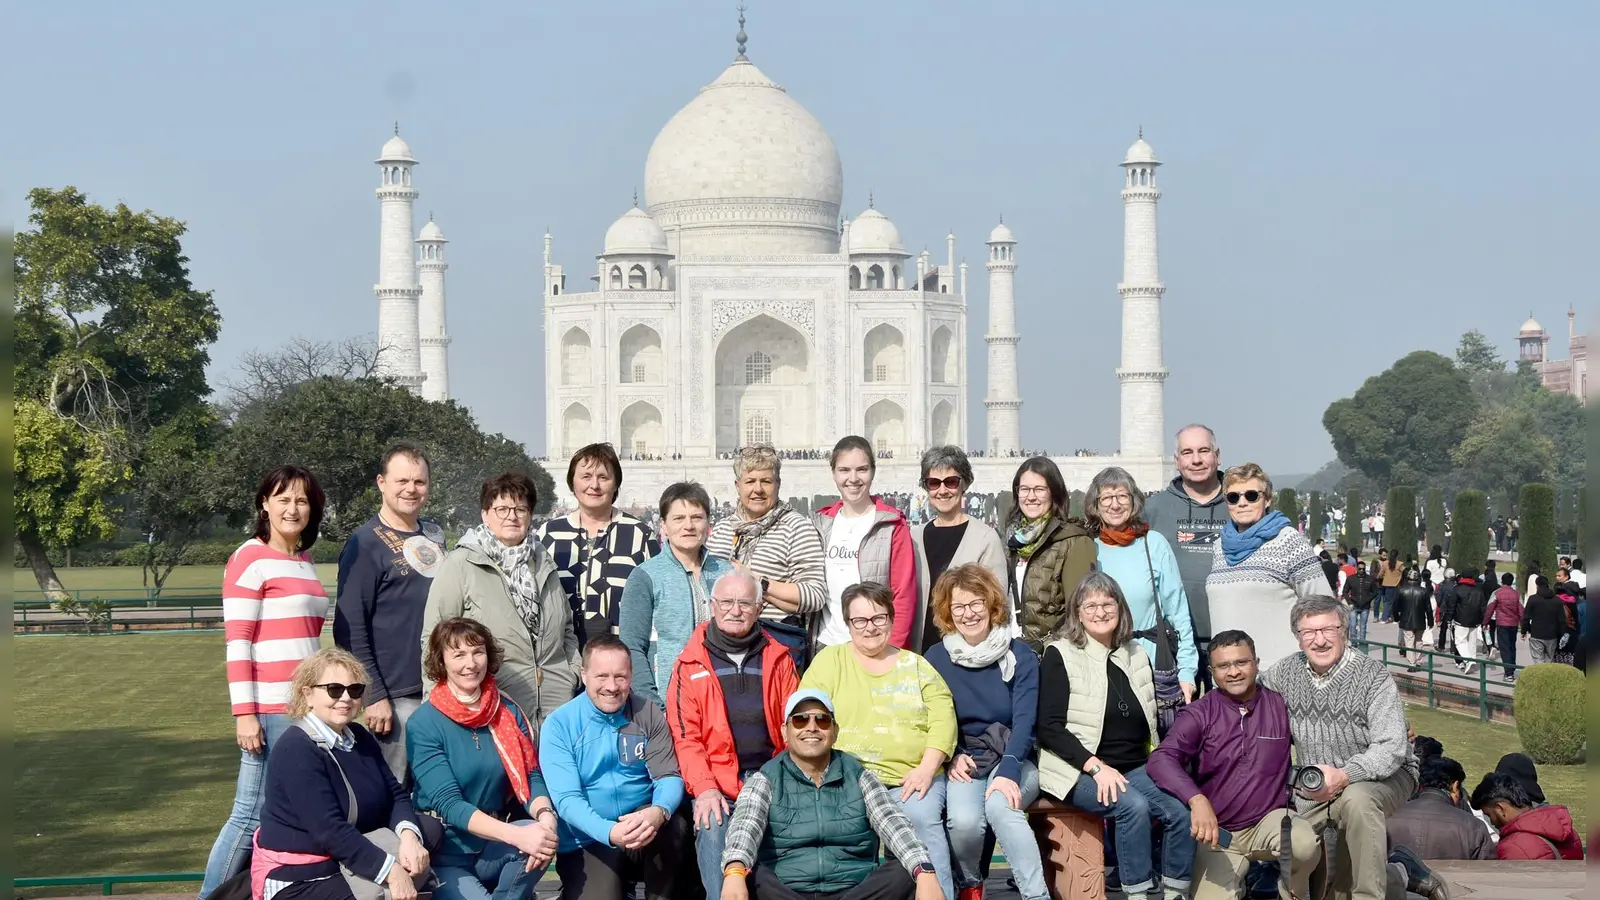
{"x":831,"y":813}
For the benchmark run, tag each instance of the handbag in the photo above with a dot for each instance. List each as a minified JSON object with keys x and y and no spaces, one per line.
{"x":1169,"y":690}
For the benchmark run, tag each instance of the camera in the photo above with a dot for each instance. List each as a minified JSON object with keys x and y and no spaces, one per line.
{"x":1306,"y":779}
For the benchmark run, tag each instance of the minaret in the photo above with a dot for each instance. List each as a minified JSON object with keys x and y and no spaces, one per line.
{"x":399,"y":355}
{"x":1143,"y":369}
{"x":1003,"y":404}
{"x":435,"y":337}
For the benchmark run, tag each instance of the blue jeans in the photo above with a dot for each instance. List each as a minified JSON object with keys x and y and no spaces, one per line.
{"x":231,"y":852}
{"x":1358,"y":626}
{"x":1383,"y":604}
{"x":1132,"y":816}
{"x":496,"y":873}
{"x":927,"y":818}
{"x":708,"y":846}
{"x":970,"y":815}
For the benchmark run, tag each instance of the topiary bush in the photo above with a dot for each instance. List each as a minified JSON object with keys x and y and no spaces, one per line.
{"x":1316,"y":517}
{"x":1537,"y":540}
{"x":1433,"y":518}
{"x":1353,"y":520}
{"x":1469,"y":532}
{"x":1286,"y":502}
{"x":1400,"y":522}
{"x":1549,"y":706}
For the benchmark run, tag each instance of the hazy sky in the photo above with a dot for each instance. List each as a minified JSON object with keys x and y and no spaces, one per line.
{"x":1342,"y":184}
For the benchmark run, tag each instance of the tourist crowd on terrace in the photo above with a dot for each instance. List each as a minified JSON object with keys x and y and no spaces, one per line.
{"x":839,"y":704}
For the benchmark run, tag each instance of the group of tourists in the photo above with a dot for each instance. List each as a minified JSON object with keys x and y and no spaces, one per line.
{"x":780,"y":696}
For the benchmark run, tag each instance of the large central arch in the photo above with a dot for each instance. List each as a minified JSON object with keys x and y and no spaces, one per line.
{"x":763,"y":369}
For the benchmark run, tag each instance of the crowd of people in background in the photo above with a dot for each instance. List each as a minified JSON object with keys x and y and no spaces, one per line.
{"x":779,"y":695}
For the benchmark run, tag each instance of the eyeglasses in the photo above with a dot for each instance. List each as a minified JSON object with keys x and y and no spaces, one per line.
{"x":1099,"y":607}
{"x":963,"y":609}
{"x":860,"y":623}
{"x":1247,"y":496}
{"x":1238,"y":665}
{"x":802,"y":720}
{"x":949,"y":483}
{"x":1116,"y":499}
{"x":337,"y":691}
{"x":1330,"y":632}
{"x":510,"y":512}
{"x":730,"y":602}
{"x":1033,"y":491}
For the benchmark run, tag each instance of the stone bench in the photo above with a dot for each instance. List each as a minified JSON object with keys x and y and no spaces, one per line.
{"x":1073,"y":850}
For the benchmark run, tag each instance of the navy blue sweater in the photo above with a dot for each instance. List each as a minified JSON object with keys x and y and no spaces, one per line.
{"x":983,"y":698}
{"x":307,"y":809}
{"x":384,"y":578}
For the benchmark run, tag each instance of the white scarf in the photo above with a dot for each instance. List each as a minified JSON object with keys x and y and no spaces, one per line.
{"x":515,"y":566}
{"x":996,"y":647}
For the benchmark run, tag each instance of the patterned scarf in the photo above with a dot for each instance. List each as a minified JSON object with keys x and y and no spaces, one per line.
{"x":1027,"y":535}
{"x":1124,"y":536}
{"x":515,"y":566}
{"x":747,"y":534}
{"x":516,"y":751}
{"x":995,"y":647}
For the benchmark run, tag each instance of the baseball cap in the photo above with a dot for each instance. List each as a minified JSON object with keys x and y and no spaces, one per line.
{"x":804,"y":694}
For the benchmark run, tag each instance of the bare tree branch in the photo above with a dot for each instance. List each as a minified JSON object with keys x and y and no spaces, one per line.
{"x":264,"y":374}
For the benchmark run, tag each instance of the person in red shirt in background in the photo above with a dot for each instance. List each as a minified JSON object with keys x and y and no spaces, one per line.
{"x":1527,"y":831}
{"x":1504,"y":612}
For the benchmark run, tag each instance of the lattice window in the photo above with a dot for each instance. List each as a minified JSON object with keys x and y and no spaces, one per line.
{"x":758,"y":368}
{"x":757,"y":430}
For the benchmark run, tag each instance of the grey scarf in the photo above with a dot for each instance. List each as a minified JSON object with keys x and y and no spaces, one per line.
{"x":994,"y":648}
{"x":516,"y":568}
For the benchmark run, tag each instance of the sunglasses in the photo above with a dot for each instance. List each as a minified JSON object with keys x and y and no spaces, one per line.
{"x":802,"y":720}
{"x":337,"y":691}
{"x":1248,"y":496}
{"x":949,"y":483}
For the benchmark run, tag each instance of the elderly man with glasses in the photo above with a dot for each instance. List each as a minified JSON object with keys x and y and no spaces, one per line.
{"x":1349,"y":724}
{"x":725,"y":710}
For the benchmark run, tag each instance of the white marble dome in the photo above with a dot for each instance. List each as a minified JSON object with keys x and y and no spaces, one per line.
{"x":635,"y":233}
{"x":395,"y":149}
{"x":1531,"y":328}
{"x":872,"y":232}
{"x":1140,"y":152}
{"x":431,"y":232}
{"x":1001,"y":235}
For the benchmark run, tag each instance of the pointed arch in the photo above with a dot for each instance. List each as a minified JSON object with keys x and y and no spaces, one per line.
{"x":855,"y":278}
{"x":875,"y":277}
{"x":615,"y":279}
{"x":577,"y":428}
{"x":641,"y":357}
{"x":641,"y":429}
{"x":577,"y":366}
{"x":942,"y":363}
{"x":885,"y":425}
{"x":884,"y":355}
{"x":636,"y":278}
{"x":763,"y":367}
{"x":944,"y":431}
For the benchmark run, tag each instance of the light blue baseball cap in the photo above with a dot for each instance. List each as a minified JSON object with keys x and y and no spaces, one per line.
{"x":804,"y":694}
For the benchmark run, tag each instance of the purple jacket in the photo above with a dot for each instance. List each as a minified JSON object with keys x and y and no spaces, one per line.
{"x":1242,"y":761}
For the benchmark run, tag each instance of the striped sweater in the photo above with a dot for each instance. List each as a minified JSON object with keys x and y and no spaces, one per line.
{"x":273,"y":609}
{"x":789,"y":551}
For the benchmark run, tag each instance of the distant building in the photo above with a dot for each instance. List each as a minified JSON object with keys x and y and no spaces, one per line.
{"x":1559,"y":376}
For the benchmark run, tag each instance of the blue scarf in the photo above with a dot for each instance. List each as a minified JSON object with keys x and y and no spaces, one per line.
{"x":1238,"y":545}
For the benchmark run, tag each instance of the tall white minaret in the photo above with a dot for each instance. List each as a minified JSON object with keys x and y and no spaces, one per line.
{"x":435,"y":337}
{"x":1003,"y":405}
{"x":399,"y":354}
{"x":1143,"y":369}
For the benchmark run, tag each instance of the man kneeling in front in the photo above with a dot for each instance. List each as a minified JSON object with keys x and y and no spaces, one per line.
{"x":832,"y":813}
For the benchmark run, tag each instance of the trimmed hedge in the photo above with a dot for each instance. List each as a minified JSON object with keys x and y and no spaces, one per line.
{"x":1433,"y":518}
{"x":1469,"y":541}
{"x":1400,"y":522}
{"x":1286,"y":502}
{"x":1352,"y":519}
{"x":1536,"y":542}
{"x":1316,"y":518}
{"x":1549,"y":706}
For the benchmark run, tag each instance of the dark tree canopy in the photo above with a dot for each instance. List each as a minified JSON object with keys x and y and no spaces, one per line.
{"x":1402,"y":424}
{"x":1536,"y":542}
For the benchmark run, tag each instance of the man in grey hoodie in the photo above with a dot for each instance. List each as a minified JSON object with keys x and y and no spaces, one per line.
{"x":1190,"y":514}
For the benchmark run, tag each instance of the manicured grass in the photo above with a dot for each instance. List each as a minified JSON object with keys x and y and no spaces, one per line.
{"x":114,"y":581}
{"x":1479,"y":746}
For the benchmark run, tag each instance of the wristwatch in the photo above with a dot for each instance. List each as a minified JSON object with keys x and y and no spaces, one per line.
{"x":923,"y":868}
{"x":765,"y":585}
{"x":1093,"y":770}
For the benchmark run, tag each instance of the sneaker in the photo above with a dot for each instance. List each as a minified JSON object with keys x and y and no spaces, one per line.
{"x":971,"y":893}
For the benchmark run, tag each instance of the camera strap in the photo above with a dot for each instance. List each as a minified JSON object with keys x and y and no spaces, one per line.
{"x":1330,"y":850}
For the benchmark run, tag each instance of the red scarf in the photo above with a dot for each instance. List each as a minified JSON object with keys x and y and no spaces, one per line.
{"x":1122,"y":537}
{"x":516,"y":751}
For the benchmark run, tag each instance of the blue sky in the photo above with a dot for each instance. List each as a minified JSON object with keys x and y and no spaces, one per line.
{"x":1343,"y":182}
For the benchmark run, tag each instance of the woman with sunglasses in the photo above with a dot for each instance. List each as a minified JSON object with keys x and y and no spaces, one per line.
{"x":895,"y":714}
{"x":866,"y":541}
{"x":475,"y":767}
{"x":1260,"y":567}
{"x":273,"y":610}
{"x":951,"y":538}
{"x":332,"y":801}
{"x":502,"y":575}
{"x":1047,"y":551}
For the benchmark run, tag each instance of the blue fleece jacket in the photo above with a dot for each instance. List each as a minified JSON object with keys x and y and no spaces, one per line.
{"x":658,"y":616}
{"x":601,"y":766}
{"x":983,"y":698}
{"x":1128,"y":566}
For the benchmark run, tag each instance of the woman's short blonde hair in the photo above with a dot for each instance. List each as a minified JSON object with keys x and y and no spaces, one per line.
{"x":974,"y":579}
{"x":756,"y":458}
{"x":1247,"y":472}
{"x":309,"y":674}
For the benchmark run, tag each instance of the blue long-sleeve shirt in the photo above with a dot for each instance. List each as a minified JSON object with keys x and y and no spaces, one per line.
{"x":384,"y":579}
{"x":983,"y":698}
{"x":601,"y":766}
{"x":1128,"y":566}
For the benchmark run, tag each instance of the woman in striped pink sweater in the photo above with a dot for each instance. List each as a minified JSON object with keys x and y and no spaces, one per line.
{"x":273,"y":608}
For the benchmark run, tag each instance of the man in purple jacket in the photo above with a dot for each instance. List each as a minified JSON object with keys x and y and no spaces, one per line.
{"x":1236,"y":739}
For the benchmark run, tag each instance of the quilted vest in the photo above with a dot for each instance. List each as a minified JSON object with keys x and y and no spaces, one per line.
{"x":818,"y":839}
{"x":1086,"y":707}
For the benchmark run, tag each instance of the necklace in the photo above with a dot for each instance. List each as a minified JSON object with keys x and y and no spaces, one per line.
{"x":1122,"y":705}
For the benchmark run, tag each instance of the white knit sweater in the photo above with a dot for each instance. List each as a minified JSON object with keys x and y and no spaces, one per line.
{"x":1256,"y":595}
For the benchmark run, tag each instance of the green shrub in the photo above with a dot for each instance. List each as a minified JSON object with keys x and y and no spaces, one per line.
{"x":1286,"y":502}
{"x":1549,"y":708}
{"x":1433,"y":518}
{"x":1469,"y":532}
{"x":1316,"y":518}
{"x":1536,"y":542}
{"x":1352,"y":519}
{"x":1400,"y":522}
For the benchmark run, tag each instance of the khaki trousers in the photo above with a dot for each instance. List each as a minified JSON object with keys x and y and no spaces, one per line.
{"x":1219,"y":874}
{"x":1360,"y":813}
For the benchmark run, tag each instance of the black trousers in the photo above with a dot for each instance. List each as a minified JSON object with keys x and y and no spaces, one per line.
{"x":889,"y":881}
{"x":666,"y":867}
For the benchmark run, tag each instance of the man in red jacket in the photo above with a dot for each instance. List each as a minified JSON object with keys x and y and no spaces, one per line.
{"x":725,"y":711}
{"x":1504,"y":614}
{"x":1526,"y":831}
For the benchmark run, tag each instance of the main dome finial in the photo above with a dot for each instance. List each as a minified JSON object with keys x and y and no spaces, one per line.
{"x":741,"y":37}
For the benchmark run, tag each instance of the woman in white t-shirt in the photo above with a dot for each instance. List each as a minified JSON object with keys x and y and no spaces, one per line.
{"x":864,"y":541}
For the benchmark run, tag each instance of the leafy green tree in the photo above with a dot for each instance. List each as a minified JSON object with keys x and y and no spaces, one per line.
{"x":1566,"y":509}
{"x":1475,"y":354}
{"x":1400,"y":425}
{"x":1316,"y":517}
{"x":179,"y":492}
{"x":1400,"y":521}
{"x":1433,"y":518}
{"x":1537,"y":541}
{"x":1352,"y":519}
{"x":1285,"y":500}
{"x":111,"y":344}
{"x":1508,"y":451}
{"x":1469,"y":542}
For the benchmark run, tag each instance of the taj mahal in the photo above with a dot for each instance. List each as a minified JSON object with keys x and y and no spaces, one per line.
{"x":735,"y":305}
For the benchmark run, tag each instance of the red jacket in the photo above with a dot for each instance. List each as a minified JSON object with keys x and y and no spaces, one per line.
{"x":902,"y":565}
{"x":1530,"y":835}
{"x":697,"y":715}
{"x":1505,"y":608}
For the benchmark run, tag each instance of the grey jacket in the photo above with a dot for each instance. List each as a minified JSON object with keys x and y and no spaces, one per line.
{"x":540,"y":671}
{"x":979,"y":544}
{"x":1192,"y":529}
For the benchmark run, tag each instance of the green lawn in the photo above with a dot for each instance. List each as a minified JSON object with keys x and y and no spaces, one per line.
{"x":112,"y":581}
{"x":127,"y":762}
